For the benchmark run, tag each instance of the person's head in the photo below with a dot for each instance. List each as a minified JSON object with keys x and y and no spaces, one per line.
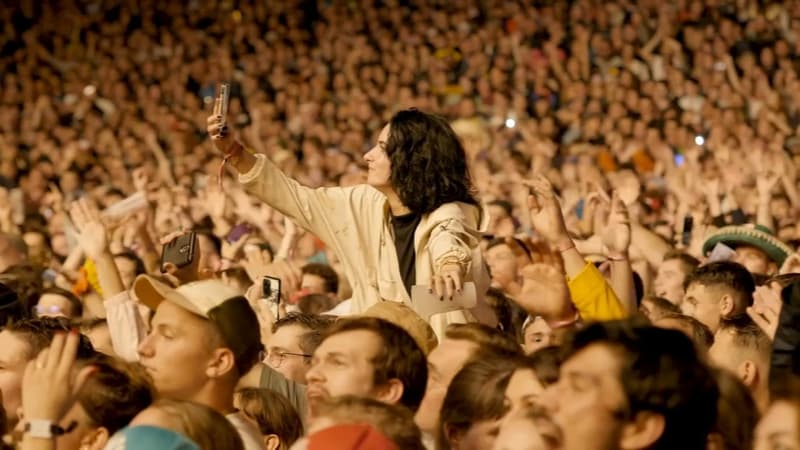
{"x":21,"y":342}
{"x":367,"y":357}
{"x":625,"y":385}
{"x":419,"y":157}
{"x":316,"y":304}
{"x":780,"y":425}
{"x":129,"y":266}
{"x":319,"y":279}
{"x":57,"y":302}
{"x":393,"y":421}
{"x":741,"y":347}
{"x":655,"y":308}
{"x":536,"y":334}
{"x":502,"y":258}
{"x":99,"y":335}
{"x":695,"y":330}
{"x":737,"y":415}
{"x":671,"y":275}
{"x":527,"y":429}
{"x":719,"y":290}
{"x":285,"y":351}
{"x":531,"y":376}
{"x":13,"y":250}
{"x":204,"y":336}
{"x":501,"y":220}
{"x":475,"y":404}
{"x":277,"y":420}
{"x":755,"y":260}
{"x":200,"y":423}
{"x":112,"y":396}
{"x":461,"y":343}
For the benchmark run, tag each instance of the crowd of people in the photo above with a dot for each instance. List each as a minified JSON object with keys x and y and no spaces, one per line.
{"x":440,"y":225}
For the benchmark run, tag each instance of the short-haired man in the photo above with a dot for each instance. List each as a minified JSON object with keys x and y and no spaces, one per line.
{"x":20,"y":343}
{"x":741,"y":347}
{"x":672,"y":273}
{"x":719,"y":290}
{"x":367,"y":357}
{"x":319,"y":278}
{"x":633,"y":387}
{"x":204,"y":336}
{"x":461,"y":343}
{"x":285,"y":350}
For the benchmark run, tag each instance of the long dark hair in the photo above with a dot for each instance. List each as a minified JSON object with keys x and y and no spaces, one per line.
{"x":429,"y":166}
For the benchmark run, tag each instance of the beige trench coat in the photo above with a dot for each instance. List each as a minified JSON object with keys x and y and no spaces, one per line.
{"x":356,"y":223}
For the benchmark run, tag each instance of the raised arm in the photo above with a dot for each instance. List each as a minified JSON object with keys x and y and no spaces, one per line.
{"x":590,"y":293}
{"x":322,"y":211}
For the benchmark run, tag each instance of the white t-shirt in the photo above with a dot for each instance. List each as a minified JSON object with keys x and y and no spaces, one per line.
{"x":248,"y":431}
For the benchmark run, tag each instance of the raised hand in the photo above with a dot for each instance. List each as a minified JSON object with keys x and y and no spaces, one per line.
{"x":545,"y":211}
{"x":544,"y":293}
{"x":50,"y":386}
{"x":92,"y":232}
{"x":791,"y":265}
{"x":219,"y":130}
{"x":766,"y":309}
{"x":617,"y":233}
{"x":765,"y":182}
{"x":140,"y":179}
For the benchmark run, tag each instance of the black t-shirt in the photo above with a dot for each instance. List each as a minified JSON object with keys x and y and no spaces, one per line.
{"x":404,"y":228}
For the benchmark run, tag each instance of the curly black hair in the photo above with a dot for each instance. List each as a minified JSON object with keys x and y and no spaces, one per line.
{"x":429,"y":166}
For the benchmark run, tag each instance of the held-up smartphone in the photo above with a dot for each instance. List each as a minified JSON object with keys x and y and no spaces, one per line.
{"x":271,"y":289}
{"x":180,"y":251}
{"x":688,"y":225}
{"x":223,"y":99}
{"x":237,"y":232}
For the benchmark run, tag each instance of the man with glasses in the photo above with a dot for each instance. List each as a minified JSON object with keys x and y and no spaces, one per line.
{"x":634,"y":387}
{"x":293,"y":341}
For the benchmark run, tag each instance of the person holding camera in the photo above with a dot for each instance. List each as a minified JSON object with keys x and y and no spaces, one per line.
{"x":415,"y":222}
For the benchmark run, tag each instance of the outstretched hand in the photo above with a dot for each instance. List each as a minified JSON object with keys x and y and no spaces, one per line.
{"x":545,"y":211}
{"x":766,"y":309}
{"x":617,"y":232}
{"x":92,"y":232}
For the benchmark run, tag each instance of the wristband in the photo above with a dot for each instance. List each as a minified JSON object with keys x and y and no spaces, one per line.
{"x":617,"y":258}
{"x":232,"y":153}
{"x":43,"y":429}
{"x":564,"y":248}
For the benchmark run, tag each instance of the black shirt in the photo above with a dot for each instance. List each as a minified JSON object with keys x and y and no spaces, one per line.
{"x":404,"y":228}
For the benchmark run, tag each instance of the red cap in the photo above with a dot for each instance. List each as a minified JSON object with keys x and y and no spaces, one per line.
{"x":350,"y":437}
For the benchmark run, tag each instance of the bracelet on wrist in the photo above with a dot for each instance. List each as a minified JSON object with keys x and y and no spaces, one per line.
{"x":565,"y":246}
{"x":617,"y":258}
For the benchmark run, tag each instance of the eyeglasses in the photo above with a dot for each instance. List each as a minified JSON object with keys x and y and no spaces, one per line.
{"x":275,"y":359}
{"x":53,"y":309}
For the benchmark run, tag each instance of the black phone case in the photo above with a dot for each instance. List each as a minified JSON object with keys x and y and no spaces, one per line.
{"x":180,"y":251}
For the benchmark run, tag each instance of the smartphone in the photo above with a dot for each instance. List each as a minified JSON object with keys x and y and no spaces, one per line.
{"x":721,"y":252}
{"x":679,"y":160}
{"x":223,"y":99}
{"x":237,"y":232}
{"x":271,"y":289}
{"x":180,"y":251}
{"x":688,"y":225}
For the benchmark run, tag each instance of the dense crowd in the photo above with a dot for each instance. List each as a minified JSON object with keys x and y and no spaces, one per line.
{"x":437,"y":225}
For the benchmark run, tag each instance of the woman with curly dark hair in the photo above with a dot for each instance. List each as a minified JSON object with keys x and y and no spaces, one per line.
{"x":415,"y":222}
